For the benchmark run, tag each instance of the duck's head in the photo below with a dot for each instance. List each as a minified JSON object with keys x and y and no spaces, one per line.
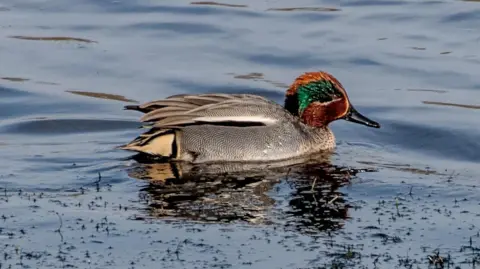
{"x":318,"y":98}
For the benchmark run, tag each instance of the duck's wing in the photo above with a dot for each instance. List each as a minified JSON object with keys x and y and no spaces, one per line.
{"x":191,"y":101}
{"x":204,"y":117}
{"x":218,"y":109}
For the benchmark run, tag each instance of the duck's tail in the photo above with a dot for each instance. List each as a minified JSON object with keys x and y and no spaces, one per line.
{"x":136,"y":108}
{"x":156,"y":142}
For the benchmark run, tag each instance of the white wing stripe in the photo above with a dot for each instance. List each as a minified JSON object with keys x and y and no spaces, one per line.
{"x":259,"y":119}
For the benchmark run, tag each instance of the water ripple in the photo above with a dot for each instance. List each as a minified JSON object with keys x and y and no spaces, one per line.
{"x":453,"y":144}
{"x":300,"y":60}
{"x":367,"y":3}
{"x":11,"y":93}
{"x":390,"y":55}
{"x":66,"y":126}
{"x":178,"y":27}
{"x":194,"y":87}
{"x":194,"y":10}
{"x":465,"y":18}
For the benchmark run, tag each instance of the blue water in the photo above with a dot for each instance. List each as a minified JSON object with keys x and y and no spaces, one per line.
{"x":400,"y":62}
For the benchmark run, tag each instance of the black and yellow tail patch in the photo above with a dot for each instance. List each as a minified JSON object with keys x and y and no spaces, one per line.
{"x":158,"y":142}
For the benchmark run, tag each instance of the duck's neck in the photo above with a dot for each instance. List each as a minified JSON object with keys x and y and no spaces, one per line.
{"x":322,"y":137}
{"x":291,"y":103}
{"x":314,"y":115}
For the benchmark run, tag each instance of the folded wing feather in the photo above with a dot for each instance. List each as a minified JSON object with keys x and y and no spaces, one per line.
{"x":222,"y":109}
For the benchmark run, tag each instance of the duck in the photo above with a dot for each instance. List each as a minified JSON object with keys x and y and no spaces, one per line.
{"x":232,"y":127}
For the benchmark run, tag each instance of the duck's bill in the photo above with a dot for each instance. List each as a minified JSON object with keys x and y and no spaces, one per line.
{"x":354,"y":116}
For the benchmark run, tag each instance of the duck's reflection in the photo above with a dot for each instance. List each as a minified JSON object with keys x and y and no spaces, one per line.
{"x":301,"y":194}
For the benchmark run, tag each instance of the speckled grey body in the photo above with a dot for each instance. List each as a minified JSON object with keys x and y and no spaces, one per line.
{"x":287,"y":139}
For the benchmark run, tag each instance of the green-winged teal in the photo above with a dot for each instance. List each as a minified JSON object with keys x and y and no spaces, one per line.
{"x":245,"y":127}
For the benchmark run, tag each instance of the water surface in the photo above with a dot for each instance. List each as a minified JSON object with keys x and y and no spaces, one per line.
{"x":387,"y":198}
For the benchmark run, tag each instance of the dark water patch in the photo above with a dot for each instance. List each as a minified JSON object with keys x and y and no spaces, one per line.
{"x":277,"y":84}
{"x":443,"y":143}
{"x":17,"y":109}
{"x":393,"y":17}
{"x":253,"y":76}
{"x":15,"y":79}
{"x":476,"y":86}
{"x":20,"y":79}
{"x":260,"y":77}
{"x":418,"y":48}
{"x":54,"y":38}
{"x":451,"y":78}
{"x":405,"y":168}
{"x":11,"y":93}
{"x":432,"y":2}
{"x":82,"y":28}
{"x":179,"y":27}
{"x":211,"y":3}
{"x":315,"y":9}
{"x":66,"y":126}
{"x":323,"y":34}
{"x":313,"y":16}
{"x":451,"y":104}
{"x":21,"y":104}
{"x":106,"y":96}
{"x":466,"y":18}
{"x":423,"y":38}
{"x":403,"y":56}
{"x":47,"y":83}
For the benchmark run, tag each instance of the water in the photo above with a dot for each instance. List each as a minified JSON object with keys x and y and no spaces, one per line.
{"x":70,"y":199}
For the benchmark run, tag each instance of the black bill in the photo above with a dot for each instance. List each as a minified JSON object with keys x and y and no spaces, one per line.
{"x":354,"y":116}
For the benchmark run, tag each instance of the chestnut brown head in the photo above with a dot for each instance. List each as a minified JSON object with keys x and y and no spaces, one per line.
{"x":318,"y":98}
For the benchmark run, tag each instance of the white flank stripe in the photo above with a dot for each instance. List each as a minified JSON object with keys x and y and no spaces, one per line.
{"x":261,"y":119}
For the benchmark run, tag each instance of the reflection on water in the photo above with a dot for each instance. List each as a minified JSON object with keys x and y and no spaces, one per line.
{"x":252,"y":76}
{"x":260,"y":77}
{"x":404,"y":168}
{"x":224,"y":192}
